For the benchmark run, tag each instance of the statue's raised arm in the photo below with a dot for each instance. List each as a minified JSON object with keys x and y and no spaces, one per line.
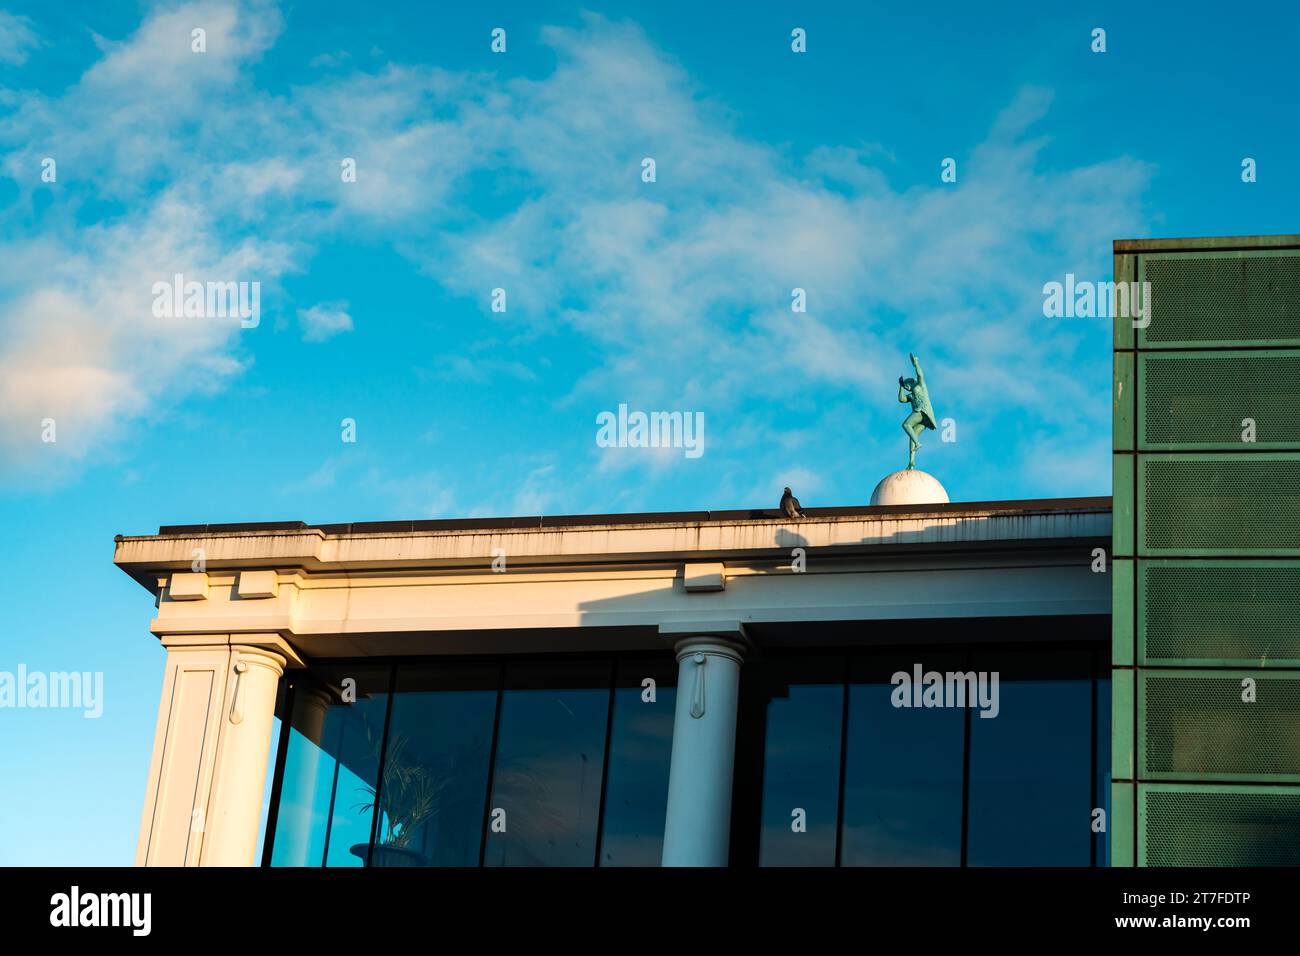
{"x":920,"y":376}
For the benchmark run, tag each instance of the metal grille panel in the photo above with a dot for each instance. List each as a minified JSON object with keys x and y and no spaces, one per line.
{"x":1256,"y":827}
{"x":1199,"y":399}
{"x":1220,"y":504}
{"x":1229,"y":298}
{"x":1243,"y":613}
{"x":1197,"y":726}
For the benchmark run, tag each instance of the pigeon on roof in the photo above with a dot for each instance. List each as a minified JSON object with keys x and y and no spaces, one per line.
{"x":790,"y":505}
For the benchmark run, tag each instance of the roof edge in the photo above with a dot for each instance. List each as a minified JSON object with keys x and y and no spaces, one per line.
{"x":539,"y":522}
{"x":1207,"y":243}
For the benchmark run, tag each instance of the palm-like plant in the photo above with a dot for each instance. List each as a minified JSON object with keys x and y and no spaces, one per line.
{"x":408,"y":793}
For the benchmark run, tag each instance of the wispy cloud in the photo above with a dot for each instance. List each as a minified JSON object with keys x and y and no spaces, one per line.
{"x":479,"y":371}
{"x":324,"y":321}
{"x":330,"y":60}
{"x":680,"y":288}
{"x":18,"y":38}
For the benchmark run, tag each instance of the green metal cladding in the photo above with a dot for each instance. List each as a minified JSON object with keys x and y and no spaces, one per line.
{"x":1206,"y":553}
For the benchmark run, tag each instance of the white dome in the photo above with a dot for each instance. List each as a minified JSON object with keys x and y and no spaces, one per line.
{"x":909,"y":488}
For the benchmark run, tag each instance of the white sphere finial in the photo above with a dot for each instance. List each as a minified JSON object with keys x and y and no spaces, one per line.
{"x":909,"y":487}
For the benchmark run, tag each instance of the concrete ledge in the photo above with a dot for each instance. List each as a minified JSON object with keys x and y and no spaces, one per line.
{"x":940,"y":528}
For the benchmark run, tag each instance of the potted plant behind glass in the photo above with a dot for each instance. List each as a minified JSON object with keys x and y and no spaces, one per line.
{"x":407,"y":796}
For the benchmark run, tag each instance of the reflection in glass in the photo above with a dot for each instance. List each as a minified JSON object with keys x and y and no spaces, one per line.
{"x":1102,"y":797}
{"x":331,"y":767}
{"x":549,"y":764}
{"x":903,"y":770}
{"x":268,"y":790}
{"x":1031,"y":780}
{"x":640,"y":749}
{"x":436,"y":766}
{"x":1032,"y":783}
{"x":801,"y":762}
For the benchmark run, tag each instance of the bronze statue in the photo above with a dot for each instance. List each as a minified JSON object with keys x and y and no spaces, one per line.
{"x":913,"y":390}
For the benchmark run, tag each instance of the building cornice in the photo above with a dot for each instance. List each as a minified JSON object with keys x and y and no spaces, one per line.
{"x":593,"y":540}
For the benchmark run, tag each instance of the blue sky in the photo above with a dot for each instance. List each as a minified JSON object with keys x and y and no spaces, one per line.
{"x":521,"y":171}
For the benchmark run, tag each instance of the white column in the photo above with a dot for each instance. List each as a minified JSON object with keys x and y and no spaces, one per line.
{"x":244,"y":748}
{"x":206,"y":778}
{"x":697,"y":829}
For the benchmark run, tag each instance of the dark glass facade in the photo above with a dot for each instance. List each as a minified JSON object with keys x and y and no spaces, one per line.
{"x":564,"y":761}
{"x":903,"y":772}
{"x":518,"y":762}
{"x":843,"y":775}
{"x":330,"y":766}
{"x":439,"y":758}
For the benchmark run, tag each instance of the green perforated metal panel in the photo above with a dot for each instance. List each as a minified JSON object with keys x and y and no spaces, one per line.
{"x":1218,"y":826}
{"x":1199,"y":400}
{"x":1223,"y":298}
{"x":1213,"y":519}
{"x":1208,"y":613}
{"x":1195,"y":725}
{"x":1246,"y":504}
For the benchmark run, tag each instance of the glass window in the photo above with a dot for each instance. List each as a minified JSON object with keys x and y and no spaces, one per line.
{"x":934,"y":783}
{"x":1102,"y":798}
{"x":331,"y":766}
{"x":565,"y":762}
{"x":1031,"y":770}
{"x":903,"y":769}
{"x":268,"y":790}
{"x":801,"y":761}
{"x":640,"y":749}
{"x":546,"y":781}
{"x":436,"y":766}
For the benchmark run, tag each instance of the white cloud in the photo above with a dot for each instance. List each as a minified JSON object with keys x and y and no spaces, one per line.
{"x":324,"y":321}
{"x":82,"y":345}
{"x":681,"y":288}
{"x":359,"y":474}
{"x":478,"y":371}
{"x":541,"y":490}
{"x":329,"y":60}
{"x":17,"y":38}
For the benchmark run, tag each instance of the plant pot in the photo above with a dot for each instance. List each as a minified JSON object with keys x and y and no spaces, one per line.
{"x":388,"y":855}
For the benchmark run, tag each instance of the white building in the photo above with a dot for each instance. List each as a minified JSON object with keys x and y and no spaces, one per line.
{"x":509,"y":688}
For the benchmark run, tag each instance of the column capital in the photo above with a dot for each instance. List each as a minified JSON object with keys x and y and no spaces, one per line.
{"x":319,"y":696}
{"x":260,"y":657}
{"x":724,"y":638}
{"x":249,"y":643}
